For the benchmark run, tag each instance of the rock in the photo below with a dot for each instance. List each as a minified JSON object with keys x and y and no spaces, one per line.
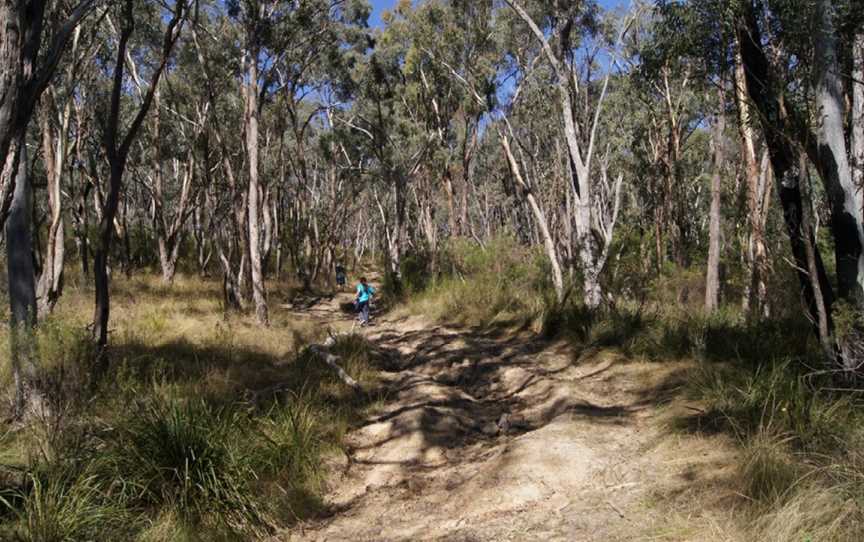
{"x":490,"y":429}
{"x":504,"y":422}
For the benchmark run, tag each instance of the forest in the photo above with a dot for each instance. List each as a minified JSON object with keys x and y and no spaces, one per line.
{"x":616,"y":248}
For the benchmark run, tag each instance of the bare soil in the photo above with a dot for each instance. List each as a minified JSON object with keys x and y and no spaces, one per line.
{"x":499,"y":435}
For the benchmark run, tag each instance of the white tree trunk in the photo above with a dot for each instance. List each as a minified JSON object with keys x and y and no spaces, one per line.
{"x":755,"y":299}
{"x":847,"y":201}
{"x":592,"y":294}
{"x":524,"y":188}
{"x":54,"y":153}
{"x":858,"y":110}
{"x":253,"y":212}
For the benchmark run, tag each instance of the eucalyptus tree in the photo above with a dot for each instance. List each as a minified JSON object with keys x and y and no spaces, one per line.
{"x":395,"y":135}
{"x":174,"y":155}
{"x":61,"y":138}
{"x":802,"y":113}
{"x":260,"y":26}
{"x":759,"y":185}
{"x":33,"y":38}
{"x":280,"y":45}
{"x":313,"y":188}
{"x":118,"y":139}
{"x":214,"y":42}
{"x":559,"y":30}
{"x":443,"y":76}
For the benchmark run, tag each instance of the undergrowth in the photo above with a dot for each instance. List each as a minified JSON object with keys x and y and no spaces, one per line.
{"x":474,"y":286}
{"x":204,"y":428}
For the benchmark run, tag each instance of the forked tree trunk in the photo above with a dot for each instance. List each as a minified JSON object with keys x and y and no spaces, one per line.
{"x":54,"y":154}
{"x":25,"y":69}
{"x":784,"y":159}
{"x":117,"y":151}
{"x":590,"y":217}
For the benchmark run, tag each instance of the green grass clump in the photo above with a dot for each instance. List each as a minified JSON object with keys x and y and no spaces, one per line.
{"x":800,"y":468}
{"x":294,"y":440}
{"x":188,"y":457}
{"x":64,"y":505}
{"x":778,"y":397}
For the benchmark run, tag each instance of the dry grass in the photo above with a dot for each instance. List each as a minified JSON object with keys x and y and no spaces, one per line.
{"x":192,"y":393}
{"x":800,"y":472}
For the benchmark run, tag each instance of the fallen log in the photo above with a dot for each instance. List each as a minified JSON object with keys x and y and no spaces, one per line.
{"x":323,"y":351}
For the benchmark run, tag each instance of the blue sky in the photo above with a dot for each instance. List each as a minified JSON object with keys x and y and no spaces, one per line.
{"x":379,"y":6}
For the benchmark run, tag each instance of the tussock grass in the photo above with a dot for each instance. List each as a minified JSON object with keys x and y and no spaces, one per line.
{"x":205,"y":427}
{"x":188,"y":457}
{"x":768,"y":471}
{"x":800,"y":468}
{"x":61,"y":505}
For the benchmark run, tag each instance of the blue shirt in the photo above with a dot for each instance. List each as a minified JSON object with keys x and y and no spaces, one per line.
{"x":364,"y":293}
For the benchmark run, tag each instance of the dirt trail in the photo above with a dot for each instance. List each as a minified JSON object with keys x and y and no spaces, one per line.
{"x":502,"y":436}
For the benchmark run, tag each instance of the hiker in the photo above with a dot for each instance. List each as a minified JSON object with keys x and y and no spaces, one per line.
{"x":340,"y":275}
{"x":364,"y":297}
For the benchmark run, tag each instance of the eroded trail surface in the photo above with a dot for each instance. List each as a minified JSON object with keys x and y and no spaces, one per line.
{"x":502,"y":436}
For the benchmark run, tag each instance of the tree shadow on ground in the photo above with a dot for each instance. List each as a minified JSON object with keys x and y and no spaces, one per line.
{"x":225,"y":373}
{"x":456,"y":392}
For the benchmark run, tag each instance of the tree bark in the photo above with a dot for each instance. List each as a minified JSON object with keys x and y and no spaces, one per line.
{"x":846,"y":200}
{"x":26,"y":69}
{"x":22,"y":289}
{"x":857,"y":120}
{"x":54,"y":153}
{"x":712,"y":279}
{"x":250,"y":96}
{"x":755,"y":300}
{"x":398,"y":234}
{"x":784,"y":158}
{"x":11,"y":38}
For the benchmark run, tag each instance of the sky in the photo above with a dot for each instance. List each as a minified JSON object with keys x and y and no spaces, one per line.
{"x":379,"y":6}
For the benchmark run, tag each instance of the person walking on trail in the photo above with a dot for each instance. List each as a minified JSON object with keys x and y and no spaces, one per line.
{"x":364,"y":295}
{"x":340,"y":275}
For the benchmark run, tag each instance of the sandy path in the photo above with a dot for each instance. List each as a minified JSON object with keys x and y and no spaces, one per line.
{"x":502,"y":436}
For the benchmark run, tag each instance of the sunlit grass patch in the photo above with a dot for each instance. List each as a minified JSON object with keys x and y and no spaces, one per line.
{"x":205,"y":426}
